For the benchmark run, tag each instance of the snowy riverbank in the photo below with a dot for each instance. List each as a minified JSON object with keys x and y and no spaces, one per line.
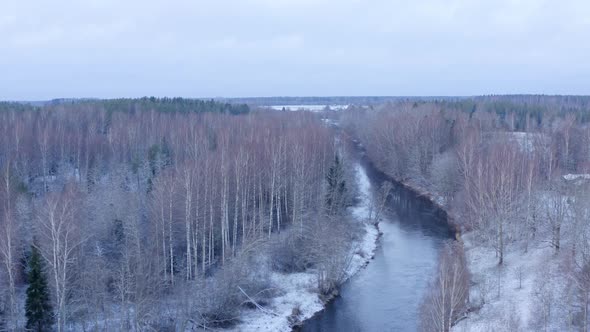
{"x":521,"y":295}
{"x":298,"y":290}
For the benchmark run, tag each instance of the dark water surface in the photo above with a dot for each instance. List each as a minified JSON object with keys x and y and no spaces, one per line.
{"x":385,"y":296}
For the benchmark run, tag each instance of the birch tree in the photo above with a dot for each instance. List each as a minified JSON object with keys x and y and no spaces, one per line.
{"x":447,"y":296}
{"x":10,"y":239}
{"x":58,"y":227}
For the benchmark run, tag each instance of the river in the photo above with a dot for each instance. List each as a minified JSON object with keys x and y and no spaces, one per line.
{"x":385,"y":296}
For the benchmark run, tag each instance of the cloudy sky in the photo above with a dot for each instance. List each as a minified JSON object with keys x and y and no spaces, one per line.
{"x":196,"y":48}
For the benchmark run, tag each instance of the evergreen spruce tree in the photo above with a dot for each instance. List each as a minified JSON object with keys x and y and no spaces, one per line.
{"x":2,"y":318}
{"x":38,"y":306}
{"x":336,"y":187}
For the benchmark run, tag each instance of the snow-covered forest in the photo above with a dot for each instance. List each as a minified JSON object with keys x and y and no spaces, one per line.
{"x":176,"y":215}
{"x":513,"y":174}
{"x":168,"y":214}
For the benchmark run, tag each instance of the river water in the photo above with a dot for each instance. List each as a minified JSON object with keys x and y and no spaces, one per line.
{"x":385,"y":296}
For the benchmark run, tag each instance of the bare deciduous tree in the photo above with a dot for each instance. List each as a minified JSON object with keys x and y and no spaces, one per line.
{"x":10,"y":238}
{"x":446,"y":300}
{"x":59,"y":237}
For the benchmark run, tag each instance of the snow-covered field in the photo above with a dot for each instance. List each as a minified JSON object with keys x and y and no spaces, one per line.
{"x":511,"y":297}
{"x":298,"y":290}
{"x":311,"y":108}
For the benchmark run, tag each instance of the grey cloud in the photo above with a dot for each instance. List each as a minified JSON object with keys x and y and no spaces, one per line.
{"x":189,"y":48}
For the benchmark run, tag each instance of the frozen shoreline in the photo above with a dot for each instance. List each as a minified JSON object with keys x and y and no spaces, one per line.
{"x":298,"y":289}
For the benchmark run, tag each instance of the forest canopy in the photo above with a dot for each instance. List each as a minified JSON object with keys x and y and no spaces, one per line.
{"x":166,"y":105}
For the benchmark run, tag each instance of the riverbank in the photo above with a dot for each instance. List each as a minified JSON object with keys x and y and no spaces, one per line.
{"x":521,"y":295}
{"x":298,"y":299}
{"x":420,"y":191}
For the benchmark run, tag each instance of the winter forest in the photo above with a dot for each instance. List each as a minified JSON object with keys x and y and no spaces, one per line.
{"x":158,"y":214}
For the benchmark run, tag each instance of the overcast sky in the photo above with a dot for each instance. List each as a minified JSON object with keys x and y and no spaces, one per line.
{"x":194,"y":48}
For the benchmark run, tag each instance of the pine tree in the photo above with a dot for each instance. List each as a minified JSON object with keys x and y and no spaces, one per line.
{"x":38,"y":306}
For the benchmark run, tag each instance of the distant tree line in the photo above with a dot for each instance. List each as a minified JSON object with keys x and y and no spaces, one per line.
{"x":6,"y":106}
{"x":525,"y":111}
{"x":166,"y":105}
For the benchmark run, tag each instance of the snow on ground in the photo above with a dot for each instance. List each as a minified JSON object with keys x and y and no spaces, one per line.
{"x":298,"y":290}
{"x":571,"y":177}
{"x":362,"y":213}
{"x":510,"y":296}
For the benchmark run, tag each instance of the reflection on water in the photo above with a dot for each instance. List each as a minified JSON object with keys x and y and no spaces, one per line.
{"x":385,"y":295}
